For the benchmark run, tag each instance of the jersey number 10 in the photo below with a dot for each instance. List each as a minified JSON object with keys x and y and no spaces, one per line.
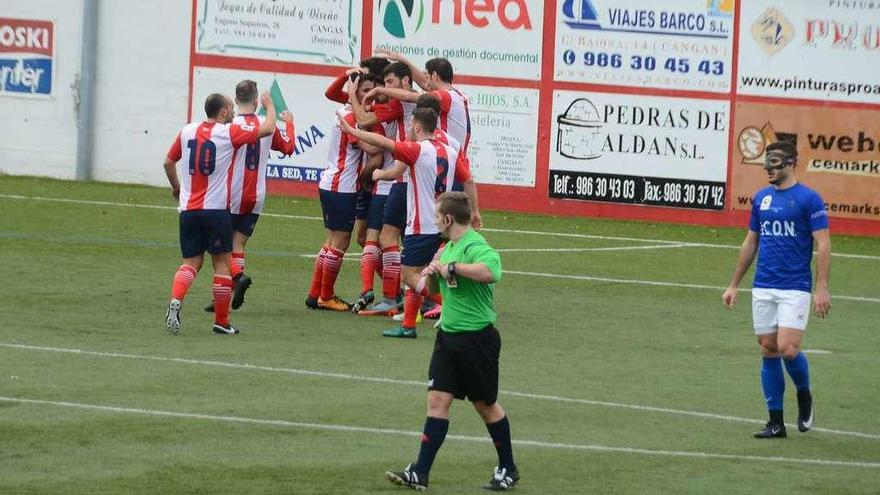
{"x":206,"y":159}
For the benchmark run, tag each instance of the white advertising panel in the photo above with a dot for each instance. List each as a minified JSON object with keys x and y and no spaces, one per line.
{"x":496,"y":38}
{"x":306,"y":31}
{"x":820,"y":50}
{"x":504,"y":124}
{"x":657,"y":151}
{"x":673,"y":44}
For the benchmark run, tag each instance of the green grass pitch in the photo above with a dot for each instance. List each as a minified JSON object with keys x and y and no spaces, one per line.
{"x":612,"y":384}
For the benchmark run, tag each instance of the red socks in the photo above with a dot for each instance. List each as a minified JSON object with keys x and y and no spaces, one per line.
{"x":222,"y":289}
{"x":390,"y":272}
{"x":183,"y":279}
{"x":369,"y":264}
{"x":237,"y":266}
{"x":318,"y":275}
{"x":332,"y":265}
{"x":411,"y":306}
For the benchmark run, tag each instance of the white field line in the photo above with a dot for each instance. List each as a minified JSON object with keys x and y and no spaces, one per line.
{"x":392,"y":381}
{"x":816,"y":351}
{"x":506,"y":231}
{"x":659,"y":283}
{"x":464,"y":438}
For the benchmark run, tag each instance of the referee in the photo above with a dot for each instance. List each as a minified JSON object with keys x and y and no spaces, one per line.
{"x":465,"y":359}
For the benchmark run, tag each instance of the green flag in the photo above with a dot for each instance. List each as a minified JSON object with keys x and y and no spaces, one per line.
{"x":277,"y":99}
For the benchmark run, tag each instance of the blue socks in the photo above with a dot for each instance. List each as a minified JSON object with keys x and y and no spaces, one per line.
{"x":799,"y":370}
{"x":433,"y":435}
{"x":773,"y":382}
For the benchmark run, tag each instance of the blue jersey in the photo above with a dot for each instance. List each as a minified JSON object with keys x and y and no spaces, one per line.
{"x":785,"y":221}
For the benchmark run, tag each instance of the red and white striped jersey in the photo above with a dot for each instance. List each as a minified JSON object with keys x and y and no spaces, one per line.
{"x":344,"y":158}
{"x":462,"y":165}
{"x":389,"y":130}
{"x":399,"y":112}
{"x":430,"y":175}
{"x":204,"y":152}
{"x":248,"y":189}
{"x":455,"y":117}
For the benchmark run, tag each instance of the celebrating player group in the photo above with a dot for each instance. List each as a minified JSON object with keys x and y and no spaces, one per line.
{"x":398,"y":178}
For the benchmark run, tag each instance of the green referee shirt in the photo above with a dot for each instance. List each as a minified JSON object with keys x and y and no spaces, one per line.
{"x":469,"y":306}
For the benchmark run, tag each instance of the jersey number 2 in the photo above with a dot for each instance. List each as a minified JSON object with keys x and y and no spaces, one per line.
{"x":207,"y":156}
{"x":442,"y":171}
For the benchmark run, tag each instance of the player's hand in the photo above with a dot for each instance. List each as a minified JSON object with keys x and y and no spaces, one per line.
{"x":370,"y":96}
{"x":287,"y":117}
{"x":729,"y":297}
{"x":377,"y":175}
{"x":266,"y":100}
{"x":352,"y":89}
{"x":435,"y":268}
{"x":476,"y":220}
{"x":343,"y":124}
{"x":356,"y":70}
{"x":822,"y":302}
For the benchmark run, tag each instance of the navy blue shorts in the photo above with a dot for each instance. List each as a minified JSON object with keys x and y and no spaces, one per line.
{"x":205,"y":230}
{"x":419,"y":250}
{"x":376,"y":213}
{"x":362,"y":205}
{"x":395,"y":206}
{"x":245,"y":223}
{"x":338,"y":210}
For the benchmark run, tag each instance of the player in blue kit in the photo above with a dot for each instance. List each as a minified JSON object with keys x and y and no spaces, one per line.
{"x":787,"y":218}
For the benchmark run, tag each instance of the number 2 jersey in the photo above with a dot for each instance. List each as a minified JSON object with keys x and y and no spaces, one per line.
{"x":204,"y":152}
{"x":429,"y":175}
{"x":248,"y":186}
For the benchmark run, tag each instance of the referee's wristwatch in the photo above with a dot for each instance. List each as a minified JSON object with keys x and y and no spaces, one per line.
{"x":451,"y":269}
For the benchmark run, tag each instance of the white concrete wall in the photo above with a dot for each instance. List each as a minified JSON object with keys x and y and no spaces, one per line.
{"x":38,"y":136}
{"x":141,"y":91}
{"x":142,"y":87}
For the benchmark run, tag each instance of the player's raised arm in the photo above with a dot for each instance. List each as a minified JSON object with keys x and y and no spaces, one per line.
{"x":364,"y":119}
{"x":279,"y":143}
{"x":368,"y":137}
{"x":417,"y":74}
{"x":268,"y":125}
{"x":391,"y":93}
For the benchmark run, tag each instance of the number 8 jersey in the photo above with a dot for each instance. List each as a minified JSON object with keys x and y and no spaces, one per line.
{"x":204,"y":152}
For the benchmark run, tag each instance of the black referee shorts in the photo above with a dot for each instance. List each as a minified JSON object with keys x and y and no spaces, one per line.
{"x":465,"y":364}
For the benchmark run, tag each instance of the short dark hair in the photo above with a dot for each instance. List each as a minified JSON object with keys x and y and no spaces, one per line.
{"x":442,"y":67}
{"x":426,"y":117}
{"x":457,"y":204}
{"x":399,"y":69}
{"x":787,"y":148}
{"x":427,"y":100}
{"x":375,"y":64}
{"x":373,"y":78}
{"x":214,"y":103}
{"x":246,"y":91}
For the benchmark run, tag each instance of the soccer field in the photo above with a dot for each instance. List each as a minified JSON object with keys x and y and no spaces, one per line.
{"x":620,"y":369}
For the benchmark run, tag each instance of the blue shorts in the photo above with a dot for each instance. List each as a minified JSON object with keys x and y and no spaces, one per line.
{"x":376,"y":212}
{"x":457,"y":186}
{"x":362,"y":204}
{"x":338,"y":210}
{"x":419,"y":250}
{"x":205,"y":230}
{"x":245,"y":223}
{"x":395,"y":206}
